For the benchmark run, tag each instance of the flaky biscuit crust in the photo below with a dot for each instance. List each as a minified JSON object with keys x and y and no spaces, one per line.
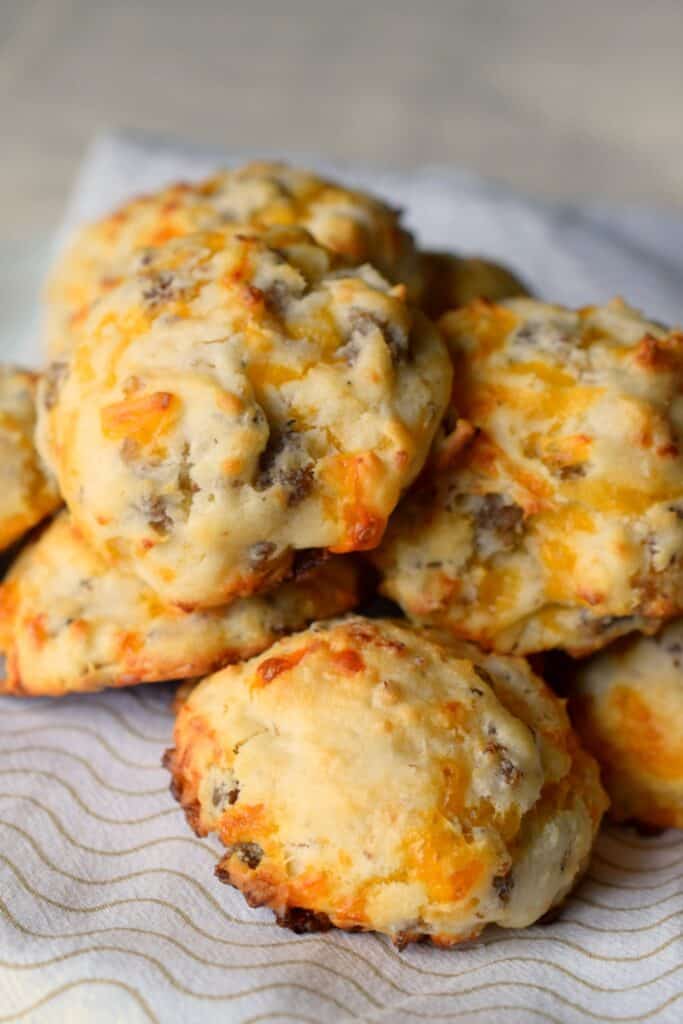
{"x":552,"y":514}
{"x":356,"y":226}
{"x":237,"y":399}
{"x":627,"y":705}
{"x":367,"y":776}
{"x":27,"y":493}
{"x":69,"y":622}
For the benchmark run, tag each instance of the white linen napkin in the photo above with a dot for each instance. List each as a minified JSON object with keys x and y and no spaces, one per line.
{"x":108,"y":907}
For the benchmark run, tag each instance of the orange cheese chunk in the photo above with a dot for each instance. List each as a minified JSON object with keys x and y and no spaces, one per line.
{"x":142,"y":420}
{"x":656,"y":748}
{"x":355,"y":478}
{"x":444,"y":863}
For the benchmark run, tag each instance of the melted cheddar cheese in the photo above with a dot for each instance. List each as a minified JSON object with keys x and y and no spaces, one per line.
{"x":27,"y":492}
{"x":386,"y":778}
{"x":559,"y":521}
{"x":627,"y":704}
{"x":69,"y":622}
{"x":360,"y":228}
{"x":239,"y":396}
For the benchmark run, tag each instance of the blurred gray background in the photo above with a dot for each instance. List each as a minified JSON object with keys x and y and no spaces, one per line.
{"x":571,"y":99}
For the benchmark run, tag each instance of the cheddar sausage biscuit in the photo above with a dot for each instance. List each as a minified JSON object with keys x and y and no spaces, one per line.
{"x":27,"y":494}
{"x":365,"y":776}
{"x":628,"y":707}
{"x":552,"y":515}
{"x":355,"y":225}
{"x":69,"y":622}
{"x":449,"y":282}
{"x":237,"y":399}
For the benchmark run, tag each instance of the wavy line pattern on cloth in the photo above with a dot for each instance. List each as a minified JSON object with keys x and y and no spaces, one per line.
{"x":524,"y":938}
{"x":233,"y":995}
{"x":507,"y":961}
{"x":297,"y":1018}
{"x":69,"y":986}
{"x":299,"y":942}
{"x":83,"y":763}
{"x":638,"y":929}
{"x":204,"y":848}
{"x":555,"y":940}
{"x":196,"y":844}
{"x":630,"y":909}
{"x":83,"y":730}
{"x":222,"y":964}
{"x":496,"y":1008}
{"x":142,"y":697}
{"x":669,"y":840}
{"x":53,"y":777}
{"x":213,"y":997}
{"x":100,"y":709}
{"x":639,"y":887}
{"x":121,"y":878}
{"x":122,"y":720}
{"x":533,"y":987}
{"x":88,"y":766}
{"x":229,"y":918}
{"x":570,"y":974}
{"x":631,"y":869}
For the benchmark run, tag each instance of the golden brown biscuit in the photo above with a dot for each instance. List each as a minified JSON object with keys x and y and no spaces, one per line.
{"x":552,"y":515}
{"x":627,"y":704}
{"x":69,"y":622}
{"x":357,"y":226}
{"x":449,"y":282}
{"x":27,"y":493}
{"x":364,"y":775}
{"x":236,"y":399}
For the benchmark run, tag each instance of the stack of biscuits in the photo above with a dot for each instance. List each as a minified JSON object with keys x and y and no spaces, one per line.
{"x":359,"y":499}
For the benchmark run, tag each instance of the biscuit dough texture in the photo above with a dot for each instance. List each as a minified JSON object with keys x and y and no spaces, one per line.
{"x":551,"y":514}
{"x":449,"y":281}
{"x":356,"y":226}
{"x":27,"y":493}
{"x":366,"y":776}
{"x":239,"y":398}
{"x":69,"y":622}
{"x":627,"y":704}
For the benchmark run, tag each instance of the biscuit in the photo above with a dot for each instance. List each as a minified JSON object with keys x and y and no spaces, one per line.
{"x":70,"y":623}
{"x":449,"y":282}
{"x":27,"y":494}
{"x":366,"y":776}
{"x":357,"y":226}
{"x":552,"y":512}
{"x":237,"y":399}
{"x":627,"y":705}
